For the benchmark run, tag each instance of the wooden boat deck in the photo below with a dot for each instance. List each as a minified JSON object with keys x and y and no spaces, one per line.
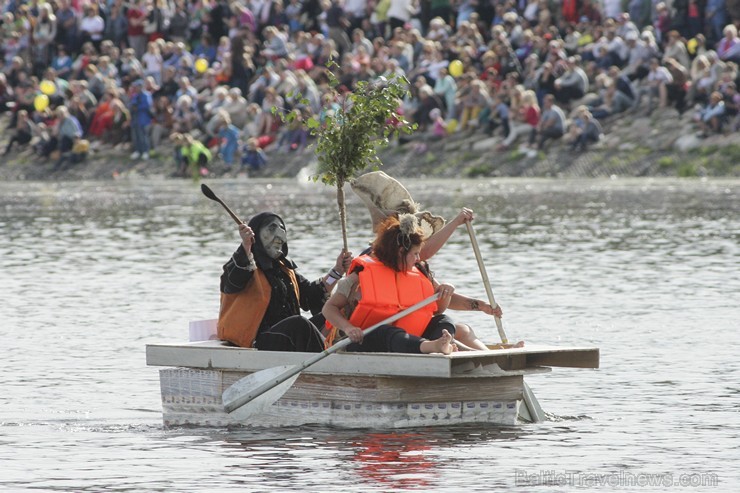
{"x":530,"y":359}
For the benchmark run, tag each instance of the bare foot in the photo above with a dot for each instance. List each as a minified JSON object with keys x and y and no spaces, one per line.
{"x":507,"y":346}
{"x":444,"y":345}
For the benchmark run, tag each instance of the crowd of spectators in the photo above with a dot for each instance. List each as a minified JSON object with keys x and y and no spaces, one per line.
{"x":205,"y":75}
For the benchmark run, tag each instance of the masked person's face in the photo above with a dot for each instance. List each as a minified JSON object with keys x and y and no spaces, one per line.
{"x":273,"y":237}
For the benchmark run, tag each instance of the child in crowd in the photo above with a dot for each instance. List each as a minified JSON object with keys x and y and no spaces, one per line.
{"x":439,"y":125}
{"x":253,"y":156}
{"x":190,"y":155}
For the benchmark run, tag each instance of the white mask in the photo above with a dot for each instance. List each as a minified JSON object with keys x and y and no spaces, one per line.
{"x":273,"y":237}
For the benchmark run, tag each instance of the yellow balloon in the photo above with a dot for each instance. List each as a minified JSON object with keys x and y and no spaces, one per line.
{"x":48,"y":87}
{"x":41,"y":102}
{"x":201,"y":65}
{"x":455,"y":68}
{"x":451,"y":126}
{"x":692,"y":45}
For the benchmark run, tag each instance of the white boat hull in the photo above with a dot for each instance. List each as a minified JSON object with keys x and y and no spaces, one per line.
{"x":357,"y":390}
{"x":192,"y":398}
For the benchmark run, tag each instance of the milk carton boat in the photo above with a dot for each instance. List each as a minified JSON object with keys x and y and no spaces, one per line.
{"x":357,"y":390}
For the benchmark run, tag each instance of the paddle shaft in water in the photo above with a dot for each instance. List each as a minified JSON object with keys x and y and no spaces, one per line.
{"x":533,"y":405}
{"x":253,"y":393}
{"x":209,"y":193}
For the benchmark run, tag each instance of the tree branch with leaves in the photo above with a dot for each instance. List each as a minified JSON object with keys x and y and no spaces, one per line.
{"x":352,"y":127}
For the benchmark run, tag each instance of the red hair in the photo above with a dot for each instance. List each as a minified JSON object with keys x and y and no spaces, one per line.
{"x":391,"y":244}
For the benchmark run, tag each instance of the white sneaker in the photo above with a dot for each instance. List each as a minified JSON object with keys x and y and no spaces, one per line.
{"x":135,"y":155}
{"x":145,"y":156}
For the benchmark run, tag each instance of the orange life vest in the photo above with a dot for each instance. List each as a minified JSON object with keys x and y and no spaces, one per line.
{"x":241,"y":313}
{"x":386,"y":292}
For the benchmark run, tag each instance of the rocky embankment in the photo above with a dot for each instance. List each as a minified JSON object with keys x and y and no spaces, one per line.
{"x":635,"y":144}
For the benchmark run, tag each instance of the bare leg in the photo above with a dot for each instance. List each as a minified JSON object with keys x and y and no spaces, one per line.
{"x":467,"y":338}
{"x":444,"y":344}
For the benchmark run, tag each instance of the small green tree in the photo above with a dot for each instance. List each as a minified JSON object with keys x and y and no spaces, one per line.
{"x":349,"y":132}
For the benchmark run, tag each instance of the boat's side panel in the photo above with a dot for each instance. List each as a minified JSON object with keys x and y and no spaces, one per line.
{"x":218,"y":356}
{"x":193,"y":397}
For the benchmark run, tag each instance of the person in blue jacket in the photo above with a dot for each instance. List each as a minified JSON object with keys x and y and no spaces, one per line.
{"x":141,"y":119}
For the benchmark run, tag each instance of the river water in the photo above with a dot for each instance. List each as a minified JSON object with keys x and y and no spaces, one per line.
{"x":646,"y":270}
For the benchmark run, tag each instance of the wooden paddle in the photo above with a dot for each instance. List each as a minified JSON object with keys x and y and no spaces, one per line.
{"x":533,"y":406}
{"x":255,"y":393}
{"x":209,"y":193}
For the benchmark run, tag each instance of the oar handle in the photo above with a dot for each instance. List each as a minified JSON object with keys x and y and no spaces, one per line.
{"x":486,"y":282}
{"x":346,"y":342}
{"x":237,"y":403}
{"x":209,"y":193}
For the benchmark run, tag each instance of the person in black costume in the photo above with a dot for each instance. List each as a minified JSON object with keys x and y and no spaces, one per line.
{"x":262,"y":295}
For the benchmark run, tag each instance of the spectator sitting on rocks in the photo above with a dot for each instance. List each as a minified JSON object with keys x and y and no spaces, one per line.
{"x":472,"y":103}
{"x":294,"y":135}
{"x":236,"y":106}
{"x":655,"y":85}
{"x":499,"y":115}
{"x":22,"y":133}
{"x":676,"y":89}
{"x":728,"y":48}
{"x":573,"y":84}
{"x":587,"y":130}
{"x":524,"y":121}
{"x":675,"y":48}
{"x":711,"y":117}
{"x":216,"y":102}
{"x":253,"y":156}
{"x":64,"y":136}
{"x":162,"y":120}
{"x":186,"y":118}
{"x":191,"y":155}
{"x":120,"y":130}
{"x":268,"y":125}
{"x":733,"y":107}
{"x":102,"y":118}
{"x":638,"y":61}
{"x":551,"y":124}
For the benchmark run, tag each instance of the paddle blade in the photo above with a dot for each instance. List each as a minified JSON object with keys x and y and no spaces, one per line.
{"x":208,"y":192}
{"x":536,"y":412}
{"x":248,"y":397}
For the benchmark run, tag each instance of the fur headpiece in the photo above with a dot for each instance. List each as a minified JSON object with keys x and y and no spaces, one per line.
{"x":384,"y":196}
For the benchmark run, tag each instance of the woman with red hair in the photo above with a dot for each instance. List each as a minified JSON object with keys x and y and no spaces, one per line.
{"x":382,"y":284}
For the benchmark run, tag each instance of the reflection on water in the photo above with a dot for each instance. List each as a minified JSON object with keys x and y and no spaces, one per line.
{"x":645,"y":269}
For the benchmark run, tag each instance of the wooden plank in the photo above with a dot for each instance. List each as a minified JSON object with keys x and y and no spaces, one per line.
{"x":396,"y":389}
{"x":401,"y":390}
{"x":216,"y":354}
{"x":510,"y":359}
{"x":566,"y":359}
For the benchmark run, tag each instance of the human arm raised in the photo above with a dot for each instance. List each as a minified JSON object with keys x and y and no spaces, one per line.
{"x":344,"y":259}
{"x":435,"y":242}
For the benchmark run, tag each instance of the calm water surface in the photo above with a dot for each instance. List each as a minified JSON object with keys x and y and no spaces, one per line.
{"x":645,"y":270}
